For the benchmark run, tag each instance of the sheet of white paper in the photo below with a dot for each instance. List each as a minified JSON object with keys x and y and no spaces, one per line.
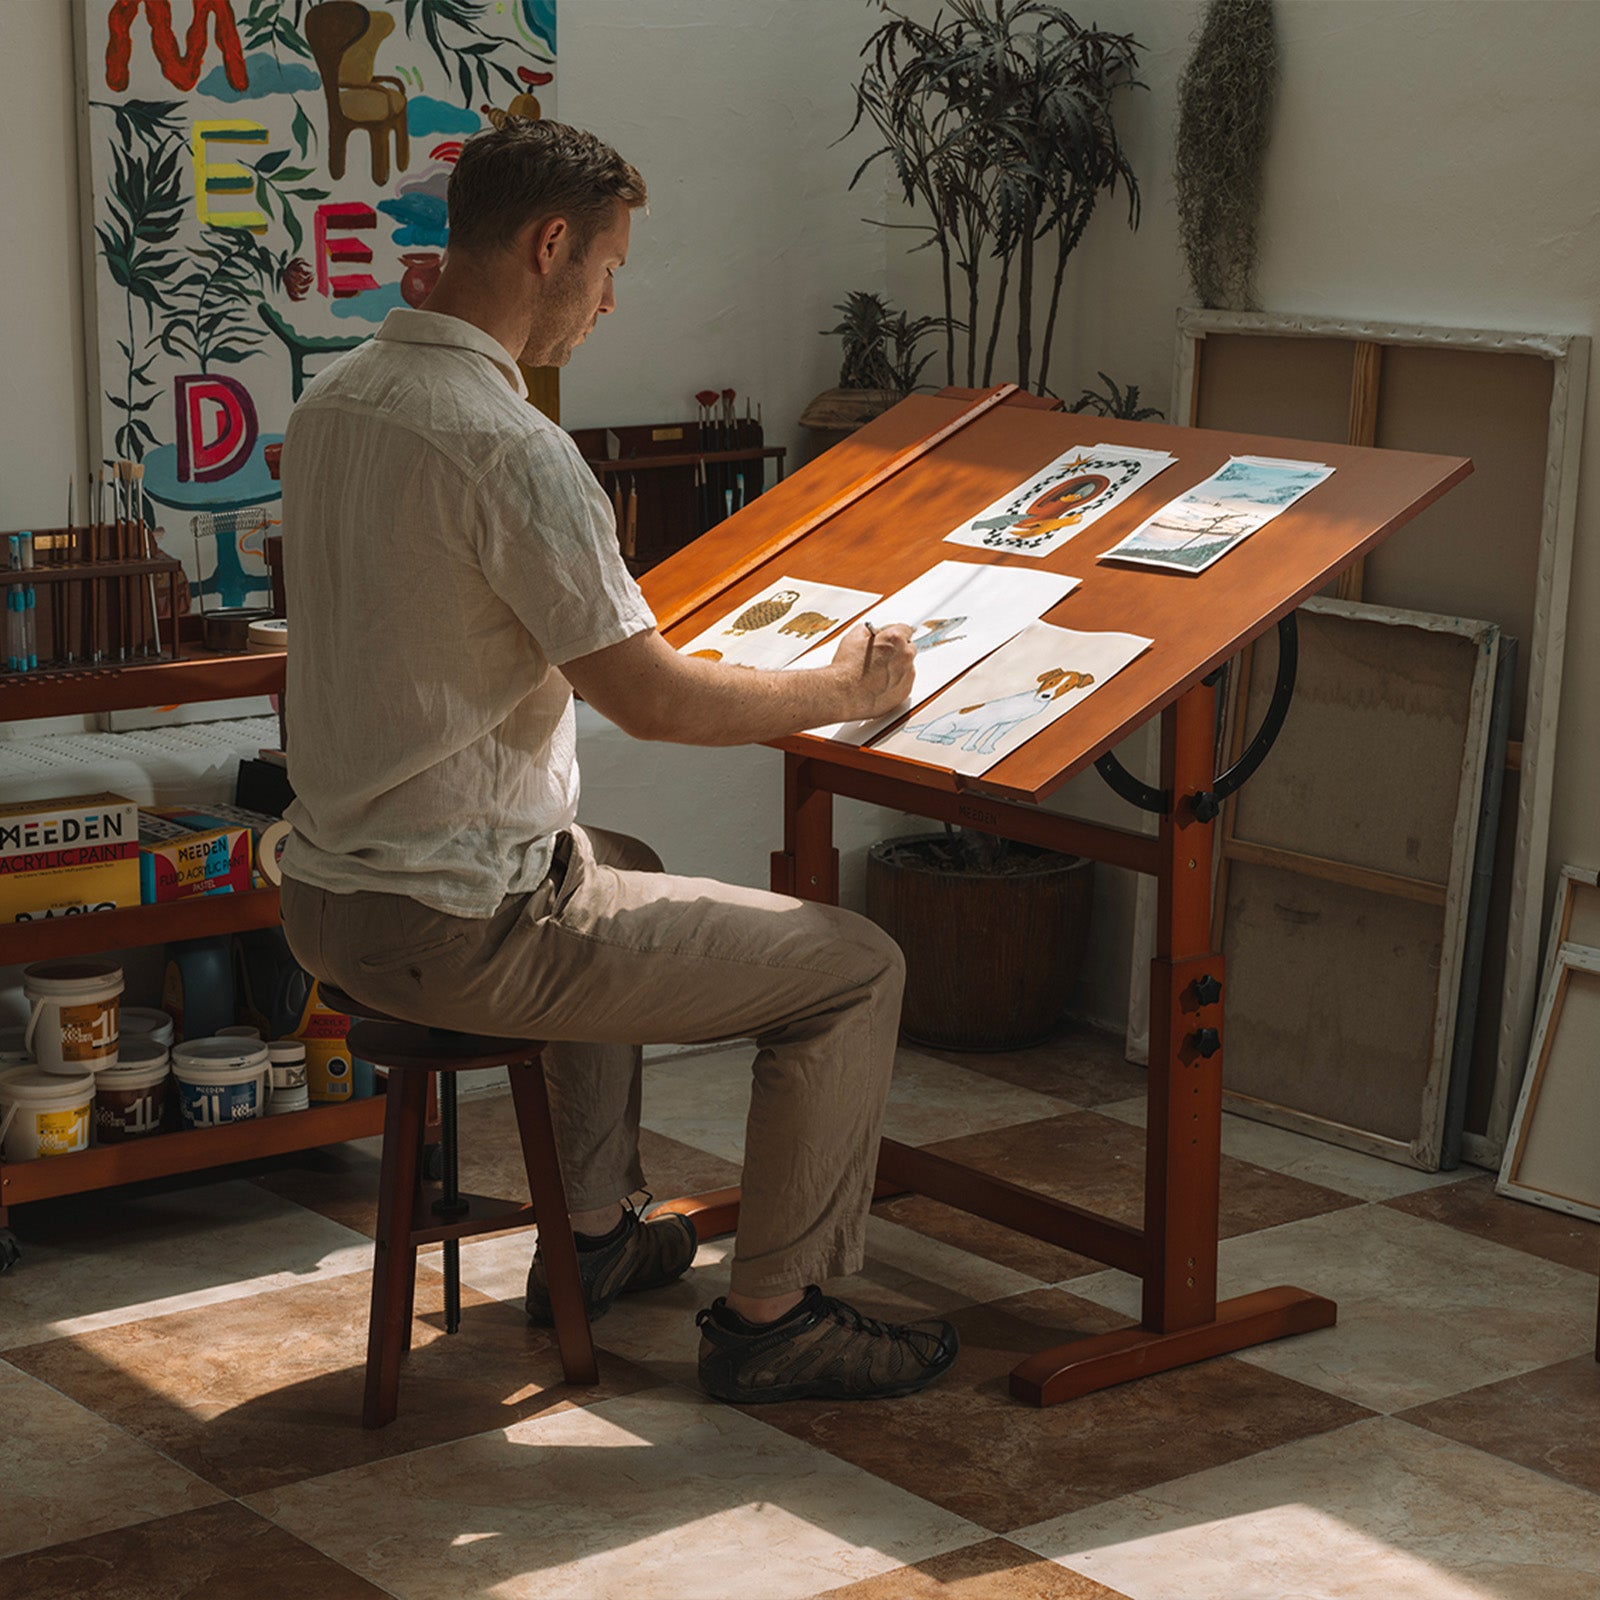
{"x":1204,"y":523}
{"x":959,"y":612}
{"x":1012,"y":696}
{"x":1058,"y":503}
{"x":779,"y":624}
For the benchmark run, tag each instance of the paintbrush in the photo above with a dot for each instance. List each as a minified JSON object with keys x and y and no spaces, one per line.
{"x":147,"y":550}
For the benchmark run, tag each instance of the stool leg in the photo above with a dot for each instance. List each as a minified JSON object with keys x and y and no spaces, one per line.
{"x":394,"y":1254}
{"x":449,"y":1203}
{"x":556,"y":1244}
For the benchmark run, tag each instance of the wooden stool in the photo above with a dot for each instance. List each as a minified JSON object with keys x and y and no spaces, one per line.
{"x":412,"y":1053}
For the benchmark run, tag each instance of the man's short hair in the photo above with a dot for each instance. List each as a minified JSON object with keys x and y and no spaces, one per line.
{"x":523,"y":170}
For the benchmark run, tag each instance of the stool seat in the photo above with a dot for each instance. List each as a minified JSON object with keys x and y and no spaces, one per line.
{"x":335,"y":999}
{"x":410,"y":1044}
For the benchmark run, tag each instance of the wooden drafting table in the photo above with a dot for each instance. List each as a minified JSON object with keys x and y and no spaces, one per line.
{"x":872,"y":513}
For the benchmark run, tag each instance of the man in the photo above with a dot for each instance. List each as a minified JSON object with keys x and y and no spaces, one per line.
{"x":453,"y":575}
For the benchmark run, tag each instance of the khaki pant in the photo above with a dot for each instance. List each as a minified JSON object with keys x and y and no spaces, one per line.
{"x":610,"y":952}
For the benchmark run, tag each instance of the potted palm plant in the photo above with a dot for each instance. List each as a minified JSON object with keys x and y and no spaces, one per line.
{"x":996,"y":117}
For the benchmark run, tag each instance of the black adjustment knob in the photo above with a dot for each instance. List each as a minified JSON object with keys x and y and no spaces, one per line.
{"x":1207,"y":1041}
{"x":1207,"y":989}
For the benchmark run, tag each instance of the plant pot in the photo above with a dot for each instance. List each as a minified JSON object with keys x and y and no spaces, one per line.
{"x":841,"y":411}
{"x":991,"y":955}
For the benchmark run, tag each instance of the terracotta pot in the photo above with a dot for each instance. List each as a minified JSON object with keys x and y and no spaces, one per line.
{"x":421,"y":274}
{"x":991,"y":957}
{"x":840,"y":411}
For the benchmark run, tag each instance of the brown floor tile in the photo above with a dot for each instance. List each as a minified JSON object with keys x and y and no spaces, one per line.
{"x":255,"y":1393}
{"x":1046,"y":1262}
{"x":1474,"y":1207}
{"x":1098,"y":1163}
{"x":1548,"y":1419}
{"x":223,"y":1552}
{"x":341,"y":1181}
{"x":1082,"y":1065}
{"x":966,"y":1445}
{"x":993,"y":1570}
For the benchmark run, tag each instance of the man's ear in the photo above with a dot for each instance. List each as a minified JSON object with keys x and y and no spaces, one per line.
{"x":547,"y":241}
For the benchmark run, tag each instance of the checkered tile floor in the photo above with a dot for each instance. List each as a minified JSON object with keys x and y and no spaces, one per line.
{"x":180,"y":1377}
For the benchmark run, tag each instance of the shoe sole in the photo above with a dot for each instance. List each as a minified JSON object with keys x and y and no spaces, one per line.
{"x":827,"y":1389}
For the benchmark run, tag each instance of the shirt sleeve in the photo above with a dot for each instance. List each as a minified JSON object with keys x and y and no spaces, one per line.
{"x":547,"y":543}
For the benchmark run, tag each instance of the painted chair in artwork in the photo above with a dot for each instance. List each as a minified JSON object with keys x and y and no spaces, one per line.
{"x":344,"y":37}
{"x":302,"y":346}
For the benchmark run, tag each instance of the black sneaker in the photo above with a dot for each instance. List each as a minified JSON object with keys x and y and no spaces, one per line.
{"x":822,"y":1350}
{"x":646,"y":1254}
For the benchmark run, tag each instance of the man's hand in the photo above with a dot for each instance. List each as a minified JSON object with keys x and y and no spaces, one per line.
{"x":649,"y":690}
{"x":882,"y":662}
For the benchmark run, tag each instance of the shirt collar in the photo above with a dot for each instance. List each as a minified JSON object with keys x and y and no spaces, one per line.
{"x":431,"y":327}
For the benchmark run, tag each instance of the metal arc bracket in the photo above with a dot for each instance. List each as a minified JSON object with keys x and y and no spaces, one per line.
{"x":1208,"y":802}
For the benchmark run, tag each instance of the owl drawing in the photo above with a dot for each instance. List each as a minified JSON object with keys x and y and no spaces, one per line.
{"x":808,"y":624}
{"x":764,"y":612}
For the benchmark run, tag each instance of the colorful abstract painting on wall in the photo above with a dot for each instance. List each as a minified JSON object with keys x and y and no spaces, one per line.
{"x":267,"y":182}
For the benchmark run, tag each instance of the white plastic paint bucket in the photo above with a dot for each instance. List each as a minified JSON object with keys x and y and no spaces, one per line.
{"x":129,"y":1098}
{"x":72,"y":1018}
{"x":221,"y":1081}
{"x":289,"y":1092}
{"x":148,"y":1022}
{"x":43,"y":1113}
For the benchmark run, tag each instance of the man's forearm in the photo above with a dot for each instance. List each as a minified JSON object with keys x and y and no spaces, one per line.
{"x":719,"y":705}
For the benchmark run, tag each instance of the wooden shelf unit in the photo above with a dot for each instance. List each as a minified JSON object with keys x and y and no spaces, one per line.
{"x":197,"y":675}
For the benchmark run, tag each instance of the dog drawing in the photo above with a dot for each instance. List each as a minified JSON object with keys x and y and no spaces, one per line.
{"x":985,"y":724}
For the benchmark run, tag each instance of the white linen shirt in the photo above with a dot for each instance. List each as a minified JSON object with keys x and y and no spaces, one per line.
{"x":445,"y":551}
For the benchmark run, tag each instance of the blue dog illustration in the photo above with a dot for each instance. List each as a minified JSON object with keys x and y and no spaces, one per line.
{"x":985,"y":724}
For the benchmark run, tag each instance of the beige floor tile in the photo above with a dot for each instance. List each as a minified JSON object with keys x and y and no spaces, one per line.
{"x":657,"y":1496}
{"x":66,"y":1473}
{"x":1377,"y":1511}
{"x":100,"y":1261}
{"x":703,"y":1101}
{"x":1425,"y":1311}
{"x":1279,"y":1150}
{"x":907,"y":1276}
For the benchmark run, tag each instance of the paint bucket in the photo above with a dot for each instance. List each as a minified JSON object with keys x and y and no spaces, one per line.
{"x":238,"y":1030}
{"x":43,"y":1113}
{"x":221,"y":1081}
{"x":14,"y":1051}
{"x":72,"y":1023}
{"x":145,"y":1022}
{"x":131,"y":1097}
{"x":288,"y":1059}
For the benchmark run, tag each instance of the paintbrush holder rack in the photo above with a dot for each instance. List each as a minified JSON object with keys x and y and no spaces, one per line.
{"x":94,"y":616}
{"x":680,"y":478}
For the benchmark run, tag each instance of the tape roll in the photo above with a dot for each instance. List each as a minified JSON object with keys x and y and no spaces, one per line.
{"x":271,"y":633}
{"x":268,"y":848}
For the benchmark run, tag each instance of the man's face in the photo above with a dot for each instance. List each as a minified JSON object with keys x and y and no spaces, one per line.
{"x":578,"y":292}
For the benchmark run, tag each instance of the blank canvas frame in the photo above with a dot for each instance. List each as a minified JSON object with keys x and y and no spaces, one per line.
{"x":1553,"y":1156}
{"x":1346,"y":872}
{"x":1502,"y":549}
